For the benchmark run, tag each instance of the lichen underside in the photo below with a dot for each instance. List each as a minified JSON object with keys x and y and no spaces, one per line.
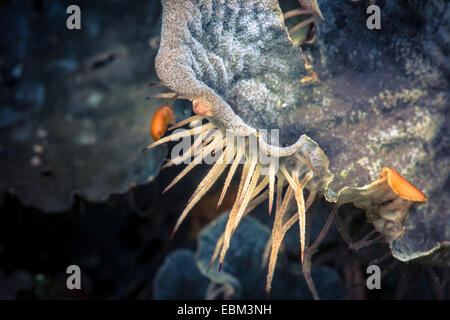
{"x":238,"y":56}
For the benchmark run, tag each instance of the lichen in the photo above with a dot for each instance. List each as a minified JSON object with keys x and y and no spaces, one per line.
{"x":84,"y":105}
{"x":237,"y":64}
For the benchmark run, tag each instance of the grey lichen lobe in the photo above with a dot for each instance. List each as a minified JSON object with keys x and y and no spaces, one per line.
{"x":235,"y":54}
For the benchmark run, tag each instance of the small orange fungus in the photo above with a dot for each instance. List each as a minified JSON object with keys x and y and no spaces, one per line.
{"x":161,"y":119}
{"x":402,"y":187}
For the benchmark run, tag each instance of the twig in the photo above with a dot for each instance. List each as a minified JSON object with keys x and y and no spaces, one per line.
{"x":307,"y":275}
{"x":363,"y":243}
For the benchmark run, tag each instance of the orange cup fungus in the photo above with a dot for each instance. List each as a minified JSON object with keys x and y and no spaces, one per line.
{"x":387,"y":202}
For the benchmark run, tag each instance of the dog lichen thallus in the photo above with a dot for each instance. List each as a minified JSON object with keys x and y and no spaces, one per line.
{"x":207,"y":57}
